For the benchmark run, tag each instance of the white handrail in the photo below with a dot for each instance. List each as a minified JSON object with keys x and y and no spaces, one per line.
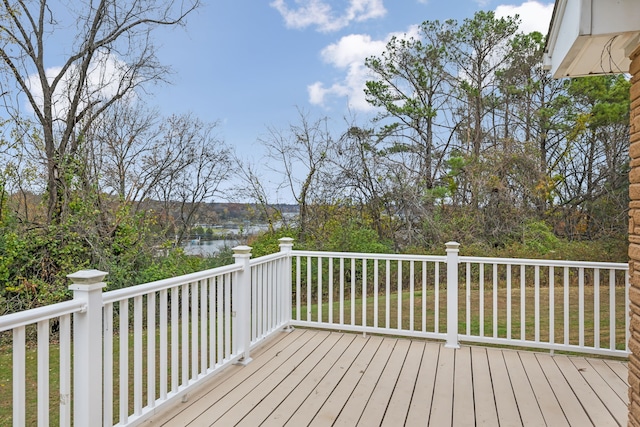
{"x":544,"y":262}
{"x":267,"y":258}
{"x":158,"y":285}
{"x":373,"y":256}
{"x":35,"y":315}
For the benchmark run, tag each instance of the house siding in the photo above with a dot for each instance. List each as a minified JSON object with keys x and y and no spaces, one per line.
{"x":634,"y":242}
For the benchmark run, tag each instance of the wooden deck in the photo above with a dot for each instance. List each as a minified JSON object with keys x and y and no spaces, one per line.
{"x":320,"y":378}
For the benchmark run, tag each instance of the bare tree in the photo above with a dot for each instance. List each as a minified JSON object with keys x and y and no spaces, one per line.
{"x":119,"y":140}
{"x":302,"y":154}
{"x":363,"y":174}
{"x":191,"y":164}
{"x":252,"y":188}
{"x":111,"y":56}
{"x":135,"y":159}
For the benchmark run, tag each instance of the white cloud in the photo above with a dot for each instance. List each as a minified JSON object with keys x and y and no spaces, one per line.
{"x":349,"y":55}
{"x":320,"y":14}
{"x":33,"y":83}
{"x":104,"y":76}
{"x":352,"y":48}
{"x":317,"y":92}
{"x":535,"y":16}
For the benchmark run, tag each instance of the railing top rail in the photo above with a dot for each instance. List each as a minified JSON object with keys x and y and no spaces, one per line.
{"x":545,"y":262}
{"x":267,"y":258}
{"x":158,"y":285}
{"x":34,"y":315}
{"x":395,"y":257}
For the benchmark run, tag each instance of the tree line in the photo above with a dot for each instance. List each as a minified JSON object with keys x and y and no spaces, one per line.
{"x":472,"y":141}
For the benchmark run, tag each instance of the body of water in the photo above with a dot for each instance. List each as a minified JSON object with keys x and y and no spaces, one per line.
{"x":208,"y":247}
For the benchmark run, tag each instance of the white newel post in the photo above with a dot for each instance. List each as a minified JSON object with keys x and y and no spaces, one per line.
{"x":286,"y":246}
{"x":452,"y":294}
{"x":242,"y":304}
{"x":87,"y":347}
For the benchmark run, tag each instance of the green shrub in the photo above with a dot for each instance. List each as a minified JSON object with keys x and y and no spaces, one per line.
{"x":353,"y":237}
{"x":268,"y":242}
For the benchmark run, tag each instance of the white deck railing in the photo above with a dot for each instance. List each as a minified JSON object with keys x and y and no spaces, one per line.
{"x":180,"y":329}
{"x":370,"y":292}
{"x":556,"y":305}
{"x":564,"y":305}
{"x":17,"y":324}
{"x":136,"y":350}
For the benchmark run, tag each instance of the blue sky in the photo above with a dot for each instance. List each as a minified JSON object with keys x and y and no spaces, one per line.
{"x":249,"y":64}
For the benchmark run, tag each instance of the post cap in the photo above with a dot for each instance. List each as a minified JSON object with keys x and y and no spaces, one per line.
{"x":452,"y":245}
{"x":286,"y":240}
{"x":242,"y":250}
{"x":87,"y":277}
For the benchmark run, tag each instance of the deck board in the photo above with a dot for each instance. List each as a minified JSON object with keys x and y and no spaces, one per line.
{"x":420,"y":407}
{"x":305,"y":373}
{"x":374,"y":411}
{"x":508,"y":414}
{"x":223,"y":398}
{"x":528,"y":406}
{"x":484,"y":401}
{"x":354,"y":406}
{"x":321,"y":378}
{"x":568,"y":401}
{"x":595,"y":408}
{"x":299,"y":363}
{"x":549,"y":405}
{"x":398,"y":408}
{"x":619,"y":367}
{"x":442,"y":402}
{"x":620,"y":387}
{"x":463,"y":389}
{"x":606,"y":394}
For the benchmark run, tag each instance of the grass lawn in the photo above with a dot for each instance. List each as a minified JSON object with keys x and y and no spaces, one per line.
{"x":486,"y":321}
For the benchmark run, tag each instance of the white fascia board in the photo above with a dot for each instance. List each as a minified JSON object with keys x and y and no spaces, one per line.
{"x":588,"y":37}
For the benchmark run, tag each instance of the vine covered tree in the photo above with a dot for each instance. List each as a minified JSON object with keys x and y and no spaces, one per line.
{"x":67,"y":87}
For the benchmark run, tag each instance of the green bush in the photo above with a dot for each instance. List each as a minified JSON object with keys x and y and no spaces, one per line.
{"x":268,"y":242}
{"x":353,"y":237}
{"x":34,"y":263}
